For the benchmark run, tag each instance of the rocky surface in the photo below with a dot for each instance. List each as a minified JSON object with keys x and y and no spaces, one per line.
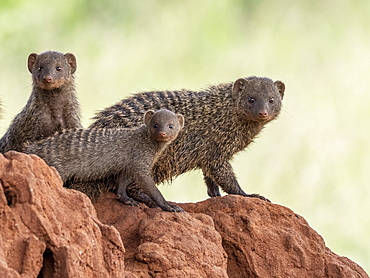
{"x":162,"y":244}
{"x":260,"y":239}
{"x":268,"y":240}
{"x":49,"y":231}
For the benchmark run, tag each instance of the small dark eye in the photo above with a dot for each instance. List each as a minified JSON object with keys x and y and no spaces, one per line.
{"x":155,"y":126}
{"x":251,"y":100}
{"x":58,"y":68}
{"x":40,"y":69}
{"x":271,"y":100}
{"x":170,"y":126}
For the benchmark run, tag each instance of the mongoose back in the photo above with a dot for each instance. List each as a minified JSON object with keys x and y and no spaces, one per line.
{"x":52,"y":106}
{"x":220,"y":121}
{"x":87,"y":155}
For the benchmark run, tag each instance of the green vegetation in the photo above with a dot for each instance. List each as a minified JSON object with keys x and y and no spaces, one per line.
{"x":314,"y":159}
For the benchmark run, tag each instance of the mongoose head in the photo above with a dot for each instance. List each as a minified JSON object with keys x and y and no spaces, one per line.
{"x":51,"y":69}
{"x":257,"y":98}
{"x":163,"y":125}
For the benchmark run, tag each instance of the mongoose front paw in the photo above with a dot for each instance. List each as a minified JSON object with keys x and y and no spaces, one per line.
{"x":172,"y":208}
{"x":127,"y":201}
{"x":259,"y":197}
{"x":177,"y":208}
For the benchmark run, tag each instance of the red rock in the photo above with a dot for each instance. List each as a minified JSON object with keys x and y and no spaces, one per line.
{"x":268,"y":240}
{"x":50,"y":231}
{"x":261,"y":240}
{"x":163,"y":244}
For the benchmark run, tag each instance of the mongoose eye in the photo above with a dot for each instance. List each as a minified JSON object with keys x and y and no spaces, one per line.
{"x":58,"y":68}
{"x":251,"y":100}
{"x":40,"y":69}
{"x":170,"y":126}
{"x":271,"y":100}
{"x":155,"y":126}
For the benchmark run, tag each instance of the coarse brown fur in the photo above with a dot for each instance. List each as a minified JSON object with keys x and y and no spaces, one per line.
{"x":112,"y":156}
{"x":220,"y":121}
{"x":52,"y":106}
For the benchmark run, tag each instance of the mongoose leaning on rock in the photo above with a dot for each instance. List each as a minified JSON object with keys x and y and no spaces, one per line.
{"x":86,"y":155}
{"x":220,"y":121}
{"x":52,"y":106}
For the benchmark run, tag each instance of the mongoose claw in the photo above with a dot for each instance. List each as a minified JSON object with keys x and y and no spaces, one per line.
{"x":259,"y":197}
{"x":177,"y":208}
{"x":172,"y":208}
{"x":128,"y":201}
{"x":213,"y":192}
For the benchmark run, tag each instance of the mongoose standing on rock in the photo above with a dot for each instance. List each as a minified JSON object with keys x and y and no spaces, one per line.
{"x":87,"y":155}
{"x":52,"y":106}
{"x":220,"y":121}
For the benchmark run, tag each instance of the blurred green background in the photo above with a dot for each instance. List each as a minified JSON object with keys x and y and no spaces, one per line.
{"x":314,"y":159}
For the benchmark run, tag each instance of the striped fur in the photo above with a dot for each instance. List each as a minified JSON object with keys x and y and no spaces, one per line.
{"x":111,"y":156}
{"x":220,"y":121}
{"x":52,"y":106}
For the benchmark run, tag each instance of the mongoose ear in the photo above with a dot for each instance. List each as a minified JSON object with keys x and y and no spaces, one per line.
{"x":238,"y":86}
{"x":31,"y":61}
{"x":148,"y":116}
{"x":281,"y":87}
{"x":181,"y":120}
{"x":71,"y":61}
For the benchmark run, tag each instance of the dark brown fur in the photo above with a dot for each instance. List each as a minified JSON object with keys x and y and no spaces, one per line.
{"x":52,"y":106}
{"x":220,"y":121}
{"x":98,"y":154}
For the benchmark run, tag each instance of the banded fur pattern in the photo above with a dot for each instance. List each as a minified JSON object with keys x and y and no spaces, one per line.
{"x":221,"y":120}
{"x":98,"y":159}
{"x":52,"y":105}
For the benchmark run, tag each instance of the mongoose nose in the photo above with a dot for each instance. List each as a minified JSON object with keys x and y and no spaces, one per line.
{"x":162,"y":133}
{"x":262,"y":115}
{"x":47,"y":79}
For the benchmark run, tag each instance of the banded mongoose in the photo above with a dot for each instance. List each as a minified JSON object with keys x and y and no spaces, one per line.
{"x":220,"y":121}
{"x":86,"y":155}
{"x":52,"y":106}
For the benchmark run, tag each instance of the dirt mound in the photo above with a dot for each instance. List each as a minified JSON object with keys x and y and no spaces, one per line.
{"x":49,"y":231}
{"x":260,"y":239}
{"x":162,"y":244}
{"x":268,"y":240}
